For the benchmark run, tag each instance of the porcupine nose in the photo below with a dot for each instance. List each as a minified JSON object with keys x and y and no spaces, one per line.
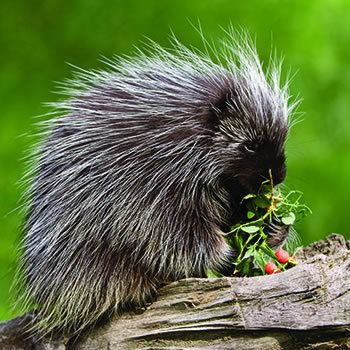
{"x":252,"y":183}
{"x":278,"y":174}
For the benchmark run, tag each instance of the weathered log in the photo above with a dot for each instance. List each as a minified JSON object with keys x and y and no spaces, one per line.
{"x":306,"y":307}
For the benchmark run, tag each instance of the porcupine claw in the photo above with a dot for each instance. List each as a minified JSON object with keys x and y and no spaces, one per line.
{"x":277,"y":233}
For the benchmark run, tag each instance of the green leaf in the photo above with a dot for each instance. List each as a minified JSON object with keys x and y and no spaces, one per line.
{"x":213,"y":274}
{"x":250,"y":229}
{"x":259,"y":260}
{"x":249,"y":252}
{"x":250,"y":214}
{"x":261,"y":202}
{"x":264,"y":247}
{"x":238,"y":242}
{"x":288,"y":219}
{"x":247,"y":266}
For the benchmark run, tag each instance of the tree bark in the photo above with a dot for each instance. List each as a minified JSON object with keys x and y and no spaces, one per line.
{"x":306,"y":307}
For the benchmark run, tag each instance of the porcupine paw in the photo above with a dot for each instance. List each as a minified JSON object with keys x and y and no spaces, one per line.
{"x":277,"y":233}
{"x":222,"y":263}
{"x":226,"y":267}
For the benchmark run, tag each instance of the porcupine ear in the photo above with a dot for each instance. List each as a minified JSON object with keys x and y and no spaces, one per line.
{"x":219,"y":108}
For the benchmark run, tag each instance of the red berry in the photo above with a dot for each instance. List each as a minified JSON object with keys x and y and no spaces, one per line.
{"x":282,"y":256}
{"x":270,"y":268}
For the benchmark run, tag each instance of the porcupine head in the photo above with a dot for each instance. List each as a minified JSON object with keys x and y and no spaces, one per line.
{"x":140,"y":171}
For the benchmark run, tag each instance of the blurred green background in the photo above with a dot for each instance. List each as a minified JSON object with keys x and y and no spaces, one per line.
{"x":38,"y":38}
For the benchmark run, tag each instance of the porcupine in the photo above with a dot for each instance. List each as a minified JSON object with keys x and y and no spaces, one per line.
{"x":142,"y":170}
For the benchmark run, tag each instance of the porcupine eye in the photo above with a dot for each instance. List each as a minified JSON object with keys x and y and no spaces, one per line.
{"x":252,"y":147}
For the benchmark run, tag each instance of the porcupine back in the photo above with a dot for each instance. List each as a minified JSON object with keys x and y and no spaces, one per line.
{"x":126,"y":193}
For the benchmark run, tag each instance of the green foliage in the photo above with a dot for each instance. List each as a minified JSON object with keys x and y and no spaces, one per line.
{"x":37,"y":38}
{"x":248,"y":238}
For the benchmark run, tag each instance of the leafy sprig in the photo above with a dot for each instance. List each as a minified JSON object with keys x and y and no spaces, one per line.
{"x":248,"y":238}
